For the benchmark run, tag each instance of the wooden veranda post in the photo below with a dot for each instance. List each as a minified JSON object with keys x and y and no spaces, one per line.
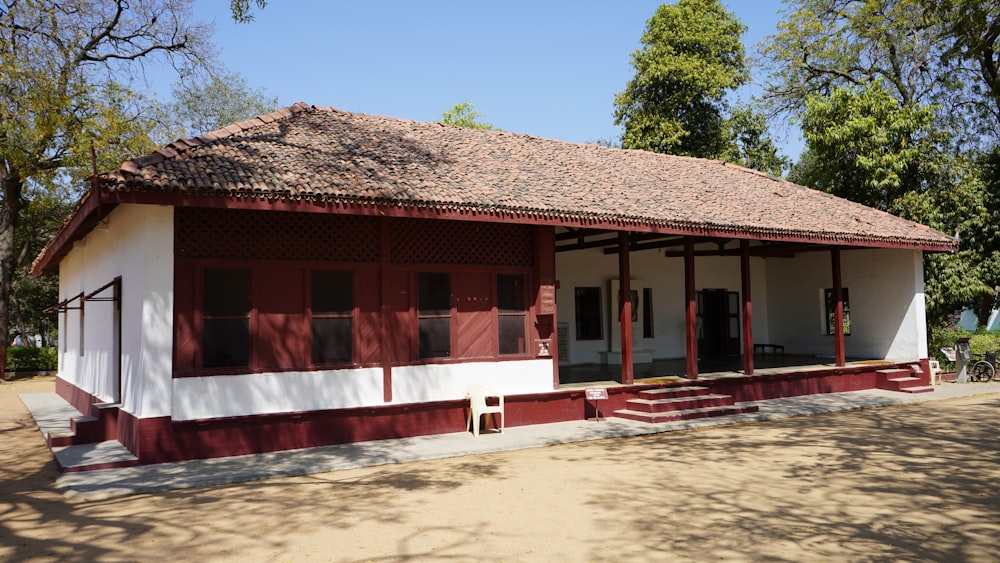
{"x":839,"y":353}
{"x":690,"y":311}
{"x":625,"y":306}
{"x":747,"y":308}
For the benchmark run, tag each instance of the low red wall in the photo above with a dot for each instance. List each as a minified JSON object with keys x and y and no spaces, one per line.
{"x":158,"y":440}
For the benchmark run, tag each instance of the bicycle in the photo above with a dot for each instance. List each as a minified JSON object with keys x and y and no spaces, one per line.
{"x":985,"y":368}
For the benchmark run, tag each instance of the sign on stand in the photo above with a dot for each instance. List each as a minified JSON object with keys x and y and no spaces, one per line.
{"x":595,"y":395}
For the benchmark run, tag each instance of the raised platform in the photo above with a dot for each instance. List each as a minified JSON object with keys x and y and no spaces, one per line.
{"x":638,"y":357}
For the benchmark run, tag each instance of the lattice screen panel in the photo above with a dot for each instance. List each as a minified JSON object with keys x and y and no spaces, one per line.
{"x":419,"y":241}
{"x":271,"y":235}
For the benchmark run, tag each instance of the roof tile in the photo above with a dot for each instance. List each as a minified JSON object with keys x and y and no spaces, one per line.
{"x":326,"y":154}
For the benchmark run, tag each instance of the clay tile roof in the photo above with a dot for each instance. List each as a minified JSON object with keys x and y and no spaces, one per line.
{"x":315,"y":153}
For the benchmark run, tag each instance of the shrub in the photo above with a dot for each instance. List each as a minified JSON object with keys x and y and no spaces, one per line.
{"x":945,"y":336}
{"x":32,"y":359}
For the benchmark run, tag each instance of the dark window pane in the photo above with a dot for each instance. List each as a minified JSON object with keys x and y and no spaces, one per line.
{"x":434,"y":293}
{"x":332,"y":292}
{"x":588,"y":313}
{"x":435,"y":337}
{"x":332,"y":340}
{"x":510,"y":293}
{"x":512,"y":334}
{"x":647,"y":312}
{"x":225,"y":342}
{"x":226,"y":292}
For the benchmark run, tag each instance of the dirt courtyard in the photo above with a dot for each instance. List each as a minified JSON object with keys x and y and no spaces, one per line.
{"x":915,"y":483}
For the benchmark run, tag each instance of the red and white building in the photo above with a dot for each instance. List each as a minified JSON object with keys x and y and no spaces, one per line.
{"x":313,"y":276}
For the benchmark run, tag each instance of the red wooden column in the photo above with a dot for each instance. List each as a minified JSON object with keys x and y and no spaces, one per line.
{"x":625,"y":307}
{"x":545,"y":300}
{"x":747,"y":308}
{"x":690,"y":311}
{"x":838,"y":311}
{"x":385,"y":349}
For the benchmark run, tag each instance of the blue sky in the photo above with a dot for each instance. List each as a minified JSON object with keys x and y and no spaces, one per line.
{"x":540,"y":67}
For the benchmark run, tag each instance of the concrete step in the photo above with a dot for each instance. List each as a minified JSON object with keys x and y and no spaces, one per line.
{"x":918,"y":389}
{"x":688,"y":414}
{"x":670,"y":392}
{"x":894,"y":373}
{"x":98,"y":455}
{"x":901,"y":383}
{"x":679,"y":403}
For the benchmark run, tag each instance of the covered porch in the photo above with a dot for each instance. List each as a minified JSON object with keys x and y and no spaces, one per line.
{"x":705,"y":307}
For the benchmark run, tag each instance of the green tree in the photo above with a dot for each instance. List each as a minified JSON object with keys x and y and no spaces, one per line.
{"x":972,"y":27}
{"x":62,"y":67}
{"x":243,"y":11}
{"x":692,"y":55}
{"x":216,"y":102}
{"x":865,"y":146}
{"x":464,"y":114}
{"x":750,"y":142}
{"x":899,"y":102}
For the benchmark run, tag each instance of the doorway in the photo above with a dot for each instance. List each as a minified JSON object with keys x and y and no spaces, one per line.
{"x":718,"y":323}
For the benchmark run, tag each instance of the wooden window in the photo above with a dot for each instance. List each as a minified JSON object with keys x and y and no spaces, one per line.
{"x":434,"y":314}
{"x":829,"y":310}
{"x":588,"y":313}
{"x":225,"y":317}
{"x":512,"y":313}
{"x":647,"y":312}
{"x":332,"y":317}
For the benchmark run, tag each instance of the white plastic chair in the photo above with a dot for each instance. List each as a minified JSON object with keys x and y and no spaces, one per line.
{"x":477,"y":395}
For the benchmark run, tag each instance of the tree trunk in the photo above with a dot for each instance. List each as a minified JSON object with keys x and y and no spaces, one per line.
{"x":22,"y":329}
{"x":12,"y":189}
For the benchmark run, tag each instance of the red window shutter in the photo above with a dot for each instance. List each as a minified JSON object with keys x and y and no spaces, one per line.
{"x":283,"y":338}
{"x":186,"y":338}
{"x":367,"y":334}
{"x":401,"y":345}
{"x":474,"y":325}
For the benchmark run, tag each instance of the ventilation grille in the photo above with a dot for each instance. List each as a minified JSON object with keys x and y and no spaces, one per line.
{"x":417,"y":241}
{"x":273,"y":235}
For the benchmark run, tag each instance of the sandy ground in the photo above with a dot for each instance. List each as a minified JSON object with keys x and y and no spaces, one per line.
{"x":915,"y":483}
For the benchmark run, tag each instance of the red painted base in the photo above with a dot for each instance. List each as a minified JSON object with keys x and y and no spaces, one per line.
{"x":158,"y":440}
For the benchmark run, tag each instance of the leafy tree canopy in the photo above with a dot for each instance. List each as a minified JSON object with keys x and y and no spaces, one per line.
{"x":691,"y":56}
{"x":243,"y":10}
{"x":213,"y":103}
{"x":865,"y":146}
{"x":464,"y":114}
{"x":65,"y":81}
{"x":750,"y":142}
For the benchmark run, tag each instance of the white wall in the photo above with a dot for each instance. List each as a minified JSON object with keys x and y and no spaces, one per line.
{"x":888,"y":319}
{"x":436,"y":382}
{"x":665,"y":276}
{"x":136,"y":243}
{"x":267,"y":393}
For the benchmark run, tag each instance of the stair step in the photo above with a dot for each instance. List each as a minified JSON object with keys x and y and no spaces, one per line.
{"x":688,"y":414}
{"x":920,"y":389}
{"x":666,"y":392}
{"x":895,"y":372}
{"x":679,"y":403}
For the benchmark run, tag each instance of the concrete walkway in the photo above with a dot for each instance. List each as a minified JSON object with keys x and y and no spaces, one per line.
{"x":107,"y":483}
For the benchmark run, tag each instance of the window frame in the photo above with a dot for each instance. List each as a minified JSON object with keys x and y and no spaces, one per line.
{"x":513,"y":313}
{"x":648,"y":322}
{"x":206,"y":317}
{"x":350,"y":314}
{"x":421,"y":315}
{"x":591,"y":315}
{"x":827,"y":299}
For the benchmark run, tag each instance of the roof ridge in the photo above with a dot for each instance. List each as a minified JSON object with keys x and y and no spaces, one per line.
{"x":176,"y":148}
